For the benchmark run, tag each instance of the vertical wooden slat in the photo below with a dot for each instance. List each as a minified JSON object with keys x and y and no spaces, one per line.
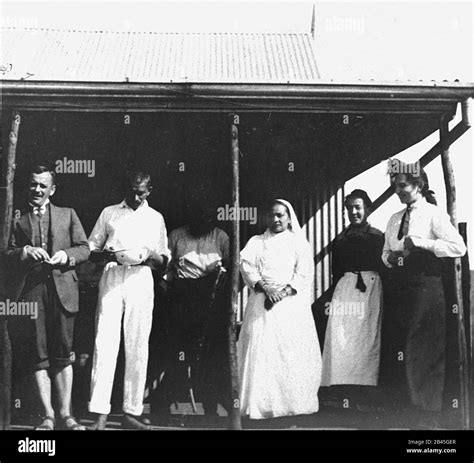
{"x":6,"y":210}
{"x":234,"y":416}
{"x":7,"y":176}
{"x":451,"y":206}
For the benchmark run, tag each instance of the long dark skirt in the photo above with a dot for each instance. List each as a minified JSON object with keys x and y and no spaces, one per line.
{"x":195,"y":337}
{"x":414,"y":341}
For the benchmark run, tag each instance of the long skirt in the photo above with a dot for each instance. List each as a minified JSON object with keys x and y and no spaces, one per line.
{"x":414,"y":340}
{"x":194,"y":336}
{"x":351,"y":353}
{"x":279,"y":359}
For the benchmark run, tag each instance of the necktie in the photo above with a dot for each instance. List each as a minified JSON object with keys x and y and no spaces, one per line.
{"x":403,"y":231}
{"x":39,"y":210}
{"x":360,"y":285}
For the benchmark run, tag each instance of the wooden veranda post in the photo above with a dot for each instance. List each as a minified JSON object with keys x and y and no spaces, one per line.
{"x":461,"y":338}
{"x":6,"y":209}
{"x":234,"y":415}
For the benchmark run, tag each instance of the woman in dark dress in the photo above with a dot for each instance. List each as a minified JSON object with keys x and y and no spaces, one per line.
{"x":351,"y":354}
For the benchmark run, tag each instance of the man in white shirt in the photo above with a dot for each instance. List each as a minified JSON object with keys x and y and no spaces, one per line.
{"x":133,"y":236}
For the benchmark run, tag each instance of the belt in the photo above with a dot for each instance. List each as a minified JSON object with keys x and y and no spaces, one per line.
{"x":142,"y":264}
{"x":110,"y":257}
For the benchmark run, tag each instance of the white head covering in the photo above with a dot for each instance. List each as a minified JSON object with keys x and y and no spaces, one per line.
{"x":295,"y":225}
{"x":301,"y":238}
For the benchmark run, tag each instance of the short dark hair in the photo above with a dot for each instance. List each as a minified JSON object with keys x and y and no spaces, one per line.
{"x":41,"y":169}
{"x":359,"y":194}
{"x":137,"y":176}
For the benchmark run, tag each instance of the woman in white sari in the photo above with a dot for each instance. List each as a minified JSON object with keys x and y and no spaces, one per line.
{"x":278,"y":348}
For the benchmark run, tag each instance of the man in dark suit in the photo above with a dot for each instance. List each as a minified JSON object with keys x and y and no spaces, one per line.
{"x":46,"y":244}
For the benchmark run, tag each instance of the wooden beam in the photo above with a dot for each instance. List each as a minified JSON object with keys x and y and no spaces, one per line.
{"x":6,"y":210}
{"x":6,"y":181}
{"x":448,"y":172}
{"x":428,"y":157}
{"x":276,"y":106}
{"x":5,"y":376}
{"x":313,"y":22}
{"x":234,"y":414}
{"x":461,"y":338}
{"x":322,"y":97}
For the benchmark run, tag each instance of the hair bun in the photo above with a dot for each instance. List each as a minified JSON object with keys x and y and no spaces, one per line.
{"x":430,"y":197}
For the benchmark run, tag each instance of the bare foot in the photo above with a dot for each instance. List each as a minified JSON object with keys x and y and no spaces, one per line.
{"x":47,"y":424}
{"x":99,"y":424}
{"x":70,"y":423}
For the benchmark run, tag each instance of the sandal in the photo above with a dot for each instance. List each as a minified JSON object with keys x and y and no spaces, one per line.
{"x":47,"y":424}
{"x":70,"y":423}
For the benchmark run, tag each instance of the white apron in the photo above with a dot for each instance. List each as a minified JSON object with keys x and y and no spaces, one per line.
{"x":351,"y":353}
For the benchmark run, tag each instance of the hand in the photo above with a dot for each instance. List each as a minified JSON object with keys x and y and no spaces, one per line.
{"x":394,"y":256}
{"x":274,"y":295}
{"x":258,"y":288}
{"x":59,"y":258}
{"x":157,"y":259}
{"x":214,"y":266}
{"x":83,"y":360}
{"x":37,"y":254}
{"x":408,"y":244}
{"x":287,"y":291}
{"x":110,"y":265}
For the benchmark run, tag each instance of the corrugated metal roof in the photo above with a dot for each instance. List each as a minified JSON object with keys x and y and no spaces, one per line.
{"x":101,"y":56}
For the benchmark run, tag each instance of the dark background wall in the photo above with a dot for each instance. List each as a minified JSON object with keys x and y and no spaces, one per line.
{"x":292,"y":156}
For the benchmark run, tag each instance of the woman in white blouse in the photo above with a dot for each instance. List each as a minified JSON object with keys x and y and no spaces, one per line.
{"x":417,"y":241}
{"x":278,"y":349}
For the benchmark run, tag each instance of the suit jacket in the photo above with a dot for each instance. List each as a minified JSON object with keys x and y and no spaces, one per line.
{"x":66,"y":234}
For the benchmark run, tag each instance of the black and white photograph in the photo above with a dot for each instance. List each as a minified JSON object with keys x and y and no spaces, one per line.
{"x":232,"y":219}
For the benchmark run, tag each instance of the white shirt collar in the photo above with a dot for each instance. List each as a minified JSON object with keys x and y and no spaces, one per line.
{"x":125,"y":205}
{"x":417,"y":204}
{"x":41,"y":208}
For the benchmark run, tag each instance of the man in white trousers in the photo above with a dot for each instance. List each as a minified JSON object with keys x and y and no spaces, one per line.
{"x":133,"y":236}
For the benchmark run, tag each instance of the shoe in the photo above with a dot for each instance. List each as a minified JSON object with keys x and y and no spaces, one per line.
{"x":70,"y":423}
{"x":136,"y":422}
{"x":47,"y":424}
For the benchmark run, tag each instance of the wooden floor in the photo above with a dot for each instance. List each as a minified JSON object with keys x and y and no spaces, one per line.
{"x":328,"y":418}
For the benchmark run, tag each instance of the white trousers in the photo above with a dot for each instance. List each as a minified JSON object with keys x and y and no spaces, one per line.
{"x":128,"y":291}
